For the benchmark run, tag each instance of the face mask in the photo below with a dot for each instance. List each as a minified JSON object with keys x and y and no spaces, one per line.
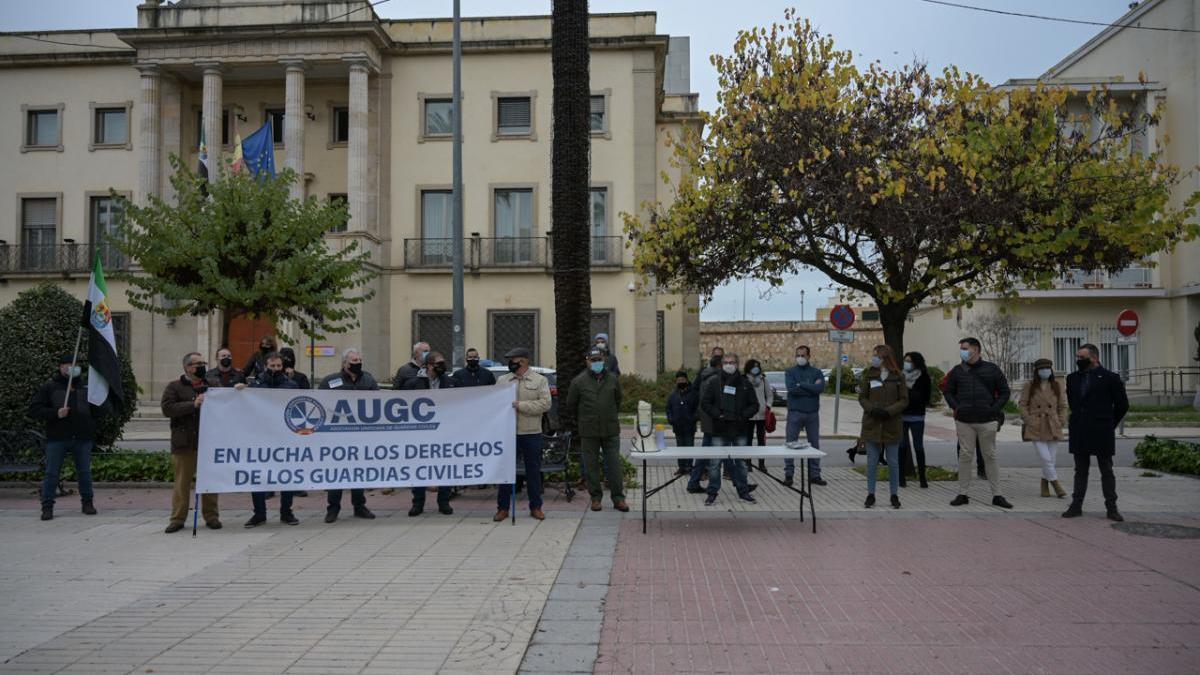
{"x":908,"y":366}
{"x":355,"y":369}
{"x":801,"y":361}
{"x":74,"y":371}
{"x":472,"y":364}
{"x":1045,"y":373}
{"x":602,"y":345}
{"x":514,"y":366}
{"x":964,"y":354}
{"x":440,"y":369}
{"x":200,"y":371}
{"x":876,"y":361}
{"x":226,"y":362}
{"x":755,"y":371}
{"x":266,"y":349}
{"x":1083,"y":364}
{"x":597,"y":367}
{"x":289,"y":363}
{"x":274,"y":375}
{"x":729,"y":368}
{"x":421,"y":356}
{"x":715,"y":362}
{"x":682,"y":385}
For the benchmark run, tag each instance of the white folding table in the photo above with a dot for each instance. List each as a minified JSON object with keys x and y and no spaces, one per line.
{"x":719,"y":453}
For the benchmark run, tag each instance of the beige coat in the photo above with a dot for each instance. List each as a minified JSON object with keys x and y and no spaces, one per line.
{"x":533,"y":399}
{"x":1043,"y":411}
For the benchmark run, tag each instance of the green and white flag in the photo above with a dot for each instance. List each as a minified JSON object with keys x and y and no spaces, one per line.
{"x":104,"y":368}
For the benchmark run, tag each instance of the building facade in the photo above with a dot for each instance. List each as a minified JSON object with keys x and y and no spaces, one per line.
{"x":1146,"y":68}
{"x":360,"y":108}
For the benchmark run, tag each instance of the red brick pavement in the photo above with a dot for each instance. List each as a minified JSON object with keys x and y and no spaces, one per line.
{"x":982,"y":595}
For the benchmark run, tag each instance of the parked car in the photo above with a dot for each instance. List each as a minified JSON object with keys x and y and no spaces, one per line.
{"x":778,"y":382}
{"x":550,"y":419}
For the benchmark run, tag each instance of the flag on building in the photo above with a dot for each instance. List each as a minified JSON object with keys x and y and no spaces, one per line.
{"x":104,"y":368}
{"x":258,"y":150}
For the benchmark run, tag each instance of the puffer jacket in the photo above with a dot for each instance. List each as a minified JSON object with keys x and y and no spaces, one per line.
{"x":890,"y":394}
{"x":1043,"y":410}
{"x":977,"y":393}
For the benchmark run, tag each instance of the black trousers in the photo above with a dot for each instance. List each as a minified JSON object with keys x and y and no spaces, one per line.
{"x":333,"y":499}
{"x":1108,"y":481}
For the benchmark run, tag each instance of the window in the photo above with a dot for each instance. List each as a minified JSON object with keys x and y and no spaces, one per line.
{"x":224,"y":126}
{"x":120,"y":324}
{"x":340,"y":199}
{"x":436,"y":328}
{"x":514,"y":222}
{"x":599,"y":216}
{"x":1117,"y":357}
{"x":39,"y":233}
{"x":110,"y":127}
{"x":870,"y":315}
{"x":339,"y":124}
{"x":514,"y":116}
{"x":602,"y":322}
{"x":43,"y":129}
{"x":437,"y":246}
{"x":599,"y":113}
{"x":275,"y":117}
{"x":439,"y":117}
{"x":103,"y":213}
{"x":508,"y":329}
{"x":1066,"y":343}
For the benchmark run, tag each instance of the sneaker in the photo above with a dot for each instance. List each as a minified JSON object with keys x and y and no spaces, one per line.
{"x":363,"y":512}
{"x":1115,"y":515}
{"x":747,"y":497}
{"x":818,"y":481}
{"x":1072,"y":511}
{"x":1000,"y":501}
{"x":960,"y":500}
{"x":330,"y":515}
{"x":895,"y":501}
{"x":712,"y":499}
{"x":48,"y":513}
{"x":255,"y":521}
{"x":89,"y":508}
{"x":696,"y":490}
{"x":445,"y":510}
{"x":173,"y":527}
{"x":416,"y":510}
{"x":870,"y":502}
{"x":288,"y":518}
{"x":788,"y":481}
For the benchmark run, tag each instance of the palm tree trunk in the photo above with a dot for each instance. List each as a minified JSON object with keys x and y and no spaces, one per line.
{"x":569,"y":192}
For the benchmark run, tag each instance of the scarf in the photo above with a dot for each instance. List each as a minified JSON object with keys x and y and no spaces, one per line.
{"x":911,"y":377}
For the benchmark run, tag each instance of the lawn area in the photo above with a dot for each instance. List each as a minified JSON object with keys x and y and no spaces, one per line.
{"x":1162,"y":416}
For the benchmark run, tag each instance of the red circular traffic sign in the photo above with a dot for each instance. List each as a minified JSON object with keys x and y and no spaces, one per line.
{"x":1128,"y":322}
{"x":842,"y":317}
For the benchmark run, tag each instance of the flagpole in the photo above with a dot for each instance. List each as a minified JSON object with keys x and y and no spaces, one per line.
{"x":74,"y":360}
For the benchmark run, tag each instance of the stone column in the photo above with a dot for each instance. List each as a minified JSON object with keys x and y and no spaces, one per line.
{"x":356,"y":160}
{"x":293,"y":124}
{"x":149,"y":162}
{"x":212,"y":114}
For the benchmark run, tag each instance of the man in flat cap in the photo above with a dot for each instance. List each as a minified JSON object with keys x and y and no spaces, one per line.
{"x":594,"y":401}
{"x":531,"y":400}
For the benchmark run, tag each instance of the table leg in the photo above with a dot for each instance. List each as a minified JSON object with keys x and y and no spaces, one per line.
{"x":803,"y":485}
{"x":645,"y":486}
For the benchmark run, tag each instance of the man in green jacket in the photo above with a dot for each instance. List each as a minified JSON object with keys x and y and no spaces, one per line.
{"x":594,"y":400}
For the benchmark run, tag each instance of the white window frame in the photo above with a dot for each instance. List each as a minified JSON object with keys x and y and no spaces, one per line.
{"x":605,"y":131}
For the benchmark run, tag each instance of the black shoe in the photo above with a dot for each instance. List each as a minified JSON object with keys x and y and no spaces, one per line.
{"x":1000,"y":501}
{"x":903,"y":483}
{"x":960,"y":500}
{"x":416,"y":510}
{"x":697,"y":490}
{"x":214,"y":525}
{"x":363,"y":512}
{"x":924,"y":483}
{"x":712,"y":499}
{"x":445,"y":509}
{"x":747,"y":497}
{"x":895,"y":501}
{"x":870,"y":502}
{"x":173,"y":527}
{"x":852,"y":453}
{"x":762,"y":465}
{"x":288,"y":517}
{"x":751,"y":487}
{"x":788,"y":481}
{"x":89,"y":508}
{"x":48,"y":513}
{"x":1073,"y":511}
{"x":255,"y":521}
{"x":982,"y":475}
{"x":818,"y":481}
{"x":1115,"y":515}
{"x":331,"y":516}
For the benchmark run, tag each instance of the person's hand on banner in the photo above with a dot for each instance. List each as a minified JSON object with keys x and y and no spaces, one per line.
{"x":239,"y":386}
{"x":516,"y":405}
{"x":199,"y":400}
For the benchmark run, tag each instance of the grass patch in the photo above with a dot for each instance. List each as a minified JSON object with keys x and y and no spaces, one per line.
{"x":1162,"y":416}
{"x":932,"y":473}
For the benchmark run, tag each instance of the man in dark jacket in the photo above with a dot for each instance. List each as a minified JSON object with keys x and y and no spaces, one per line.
{"x":976,"y":390}
{"x":594,"y":400}
{"x":181,"y":403}
{"x":257,"y":364}
{"x":224,"y":375}
{"x":805,"y":384}
{"x":700,"y":467}
{"x":70,"y":429}
{"x":473,"y":375}
{"x":432,"y":376}
{"x":274,"y":377}
{"x":350,"y":377}
{"x":289,"y":368}
{"x":1098,"y":404}
{"x":729,"y":401}
{"x":420,"y":352}
{"x":682,"y":406}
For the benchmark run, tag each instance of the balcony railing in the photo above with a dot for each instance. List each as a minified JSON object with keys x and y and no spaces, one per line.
{"x":428,"y":253}
{"x":512,"y":252}
{"x":58,"y":258}
{"x":607,"y":251}
{"x":503,"y":253}
{"x":1130,"y":277}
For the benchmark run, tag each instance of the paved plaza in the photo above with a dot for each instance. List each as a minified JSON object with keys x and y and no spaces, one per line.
{"x":730,"y":588}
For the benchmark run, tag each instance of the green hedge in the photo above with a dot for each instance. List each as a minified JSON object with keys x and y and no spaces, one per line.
{"x":656,"y":391}
{"x":41,"y":324}
{"x":1167,"y":455}
{"x":849,"y":381}
{"x":935,"y":376}
{"x":116,"y":467}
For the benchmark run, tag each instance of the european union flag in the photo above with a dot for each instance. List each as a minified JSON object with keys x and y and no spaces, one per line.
{"x":258,"y":151}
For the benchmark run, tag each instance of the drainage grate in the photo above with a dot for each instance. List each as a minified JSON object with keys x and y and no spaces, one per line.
{"x":1159,"y":530}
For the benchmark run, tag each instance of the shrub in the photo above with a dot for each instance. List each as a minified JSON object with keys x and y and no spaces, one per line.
{"x":635,"y":388}
{"x":1167,"y":455}
{"x":117,"y":467}
{"x":35,"y":329}
{"x":849,"y":381}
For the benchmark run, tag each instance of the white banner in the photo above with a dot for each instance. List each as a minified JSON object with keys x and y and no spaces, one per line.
{"x":293,"y":439}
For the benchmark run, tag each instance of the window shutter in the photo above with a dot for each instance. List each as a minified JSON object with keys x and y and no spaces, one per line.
{"x":514,"y":113}
{"x":597,"y":105}
{"x":39,"y":213}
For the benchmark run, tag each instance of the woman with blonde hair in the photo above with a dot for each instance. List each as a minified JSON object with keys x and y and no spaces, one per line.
{"x":1044,"y":414}
{"x":883,"y":395}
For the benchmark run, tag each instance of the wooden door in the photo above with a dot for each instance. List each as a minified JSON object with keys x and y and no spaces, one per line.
{"x":244,"y":335}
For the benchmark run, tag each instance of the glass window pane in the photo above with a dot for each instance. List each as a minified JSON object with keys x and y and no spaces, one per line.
{"x":111,"y":126}
{"x":597,"y":113}
{"x":43,"y":127}
{"x":439,"y":117}
{"x":341,"y":125}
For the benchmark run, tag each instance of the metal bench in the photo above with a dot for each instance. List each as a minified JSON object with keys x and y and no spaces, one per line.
{"x":556,"y":458}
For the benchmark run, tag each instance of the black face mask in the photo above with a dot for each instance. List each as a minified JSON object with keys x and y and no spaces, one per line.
{"x":513,"y":366}
{"x":439,"y":368}
{"x":289,"y":363}
{"x":1083,"y":364}
{"x":715,"y":362}
{"x":355,"y":369}
{"x":264,"y":349}
{"x":274,"y":375}
{"x":226,"y":362}
{"x":682,"y":385}
{"x":472,"y":364}
{"x":200,"y":372}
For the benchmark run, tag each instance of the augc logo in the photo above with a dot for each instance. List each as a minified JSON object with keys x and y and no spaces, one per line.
{"x":304,"y":415}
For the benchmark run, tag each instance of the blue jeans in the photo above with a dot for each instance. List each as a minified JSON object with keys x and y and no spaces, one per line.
{"x":736,"y":467}
{"x":259,"y":499}
{"x":893,"y":460}
{"x":700,"y":465}
{"x":529,"y":450}
{"x":56,"y":451}
{"x":811,"y":422}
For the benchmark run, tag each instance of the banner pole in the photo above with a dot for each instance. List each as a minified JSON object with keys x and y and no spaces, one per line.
{"x":196,"y":514}
{"x":74,"y":361}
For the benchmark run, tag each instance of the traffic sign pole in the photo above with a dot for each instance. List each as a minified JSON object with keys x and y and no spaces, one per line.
{"x":837,"y":388}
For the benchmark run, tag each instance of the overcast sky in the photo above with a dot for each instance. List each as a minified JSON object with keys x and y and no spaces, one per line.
{"x":892,"y":31}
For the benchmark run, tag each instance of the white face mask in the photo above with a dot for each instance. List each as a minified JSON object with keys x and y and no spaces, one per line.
{"x":908,"y":366}
{"x":1045,"y":373}
{"x":729,"y":368}
{"x":801,"y":361}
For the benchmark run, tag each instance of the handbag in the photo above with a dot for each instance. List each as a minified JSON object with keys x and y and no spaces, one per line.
{"x":770,"y":421}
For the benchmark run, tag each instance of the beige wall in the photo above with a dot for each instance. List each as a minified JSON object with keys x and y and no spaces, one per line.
{"x":774,"y":342}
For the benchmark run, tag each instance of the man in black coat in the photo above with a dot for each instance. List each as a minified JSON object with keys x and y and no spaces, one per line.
{"x":473,"y":375}
{"x":432,"y":376}
{"x":682,"y":406}
{"x":1098,"y":403}
{"x":729,"y":401}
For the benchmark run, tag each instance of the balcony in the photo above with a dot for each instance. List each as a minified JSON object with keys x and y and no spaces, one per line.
{"x":510,"y":252}
{"x":428,"y":253}
{"x":66,"y":259}
{"x":497,"y":253}
{"x":607,"y":251}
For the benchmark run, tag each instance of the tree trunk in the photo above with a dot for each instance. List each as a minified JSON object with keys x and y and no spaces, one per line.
{"x":569,"y":193}
{"x":893,"y":318}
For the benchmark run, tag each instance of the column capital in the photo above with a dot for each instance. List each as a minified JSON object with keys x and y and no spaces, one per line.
{"x":294,"y":64}
{"x":359,"y":63}
{"x":148,"y":69}
{"x":209,"y":67}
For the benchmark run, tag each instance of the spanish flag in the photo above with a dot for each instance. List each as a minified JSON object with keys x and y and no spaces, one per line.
{"x":104,"y":368}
